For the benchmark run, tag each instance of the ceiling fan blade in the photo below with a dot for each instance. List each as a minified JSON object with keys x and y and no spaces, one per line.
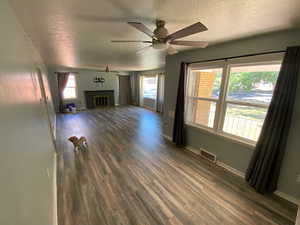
{"x":172,"y":51}
{"x":193,"y":29}
{"x":141,"y":27}
{"x":129,"y":41}
{"x":200,"y":44}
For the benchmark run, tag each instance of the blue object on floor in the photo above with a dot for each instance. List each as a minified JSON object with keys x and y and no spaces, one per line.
{"x":70,"y":106}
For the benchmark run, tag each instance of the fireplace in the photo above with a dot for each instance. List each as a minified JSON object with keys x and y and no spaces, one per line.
{"x":101,"y":100}
{"x":96,"y":99}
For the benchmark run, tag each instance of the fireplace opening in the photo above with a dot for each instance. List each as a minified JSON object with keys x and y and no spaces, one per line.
{"x":101,"y":100}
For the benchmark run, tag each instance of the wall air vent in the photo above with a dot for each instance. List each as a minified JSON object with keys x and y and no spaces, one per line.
{"x":204,"y":154}
{"x":207,"y":155}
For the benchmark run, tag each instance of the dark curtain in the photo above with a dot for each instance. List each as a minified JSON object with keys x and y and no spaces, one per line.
{"x":179,"y":126}
{"x":264,"y":168}
{"x":160,"y":92}
{"x":62,"y":79}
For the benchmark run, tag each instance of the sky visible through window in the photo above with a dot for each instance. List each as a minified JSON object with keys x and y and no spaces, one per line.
{"x":70,"y":89}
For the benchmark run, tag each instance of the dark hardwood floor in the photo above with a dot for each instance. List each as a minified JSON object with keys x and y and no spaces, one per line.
{"x":131,"y":175}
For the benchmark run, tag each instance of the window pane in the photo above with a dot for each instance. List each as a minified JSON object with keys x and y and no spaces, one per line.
{"x":205,"y":83}
{"x":253,"y":83}
{"x":69,"y":93}
{"x":149,"y":87}
{"x":71,"y":81}
{"x":201,"y":112}
{"x":244,"y":121}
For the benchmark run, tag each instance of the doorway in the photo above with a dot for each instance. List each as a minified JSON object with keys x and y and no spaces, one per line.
{"x":148,"y":93}
{"x":124,"y":90}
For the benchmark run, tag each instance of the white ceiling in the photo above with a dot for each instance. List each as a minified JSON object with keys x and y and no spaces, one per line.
{"x":77,"y":33}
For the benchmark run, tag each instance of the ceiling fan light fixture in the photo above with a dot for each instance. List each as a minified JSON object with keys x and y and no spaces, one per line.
{"x":160,"y":46}
{"x":172,"y":51}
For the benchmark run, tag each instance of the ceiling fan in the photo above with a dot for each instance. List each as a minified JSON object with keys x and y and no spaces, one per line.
{"x":162,"y":40}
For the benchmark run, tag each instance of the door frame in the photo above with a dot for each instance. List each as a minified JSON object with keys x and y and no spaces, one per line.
{"x":44,"y":100}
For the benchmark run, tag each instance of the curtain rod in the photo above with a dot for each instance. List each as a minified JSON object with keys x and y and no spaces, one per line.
{"x":233,"y":57}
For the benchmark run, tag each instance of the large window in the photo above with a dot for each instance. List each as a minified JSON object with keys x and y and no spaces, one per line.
{"x":70,"y":89}
{"x":232,"y":97}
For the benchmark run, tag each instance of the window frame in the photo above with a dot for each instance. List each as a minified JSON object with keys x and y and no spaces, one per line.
{"x":222,"y":101}
{"x":142,"y":99}
{"x":204,"y":66}
{"x":76,"y":94}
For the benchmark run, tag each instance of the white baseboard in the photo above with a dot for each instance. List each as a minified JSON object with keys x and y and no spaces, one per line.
{"x":241,"y":174}
{"x":231,"y":169}
{"x":287,"y":197}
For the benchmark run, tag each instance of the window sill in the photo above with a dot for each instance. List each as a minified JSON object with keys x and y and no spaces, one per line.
{"x":154,"y":99}
{"x":68,"y":99}
{"x":223,"y":135}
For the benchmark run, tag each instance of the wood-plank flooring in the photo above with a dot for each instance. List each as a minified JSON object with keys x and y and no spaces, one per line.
{"x":132,"y":176}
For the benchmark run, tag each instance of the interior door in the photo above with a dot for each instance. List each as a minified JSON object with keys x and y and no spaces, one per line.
{"x":124,"y":90}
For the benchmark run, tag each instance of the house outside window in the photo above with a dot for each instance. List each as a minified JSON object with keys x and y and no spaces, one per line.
{"x":70,"y":91}
{"x":231,"y":98}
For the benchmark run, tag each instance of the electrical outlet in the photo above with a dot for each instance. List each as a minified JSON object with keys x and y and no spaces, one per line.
{"x":298,"y":178}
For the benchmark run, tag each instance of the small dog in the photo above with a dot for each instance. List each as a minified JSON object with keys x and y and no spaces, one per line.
{"x":79,"y":143}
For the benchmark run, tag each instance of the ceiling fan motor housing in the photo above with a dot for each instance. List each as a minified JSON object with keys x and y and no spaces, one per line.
{"x":160,"y":32}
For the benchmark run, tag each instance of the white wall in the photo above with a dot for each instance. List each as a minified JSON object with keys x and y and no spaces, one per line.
{"x":84,"y":81}
{"x":26,"y":152}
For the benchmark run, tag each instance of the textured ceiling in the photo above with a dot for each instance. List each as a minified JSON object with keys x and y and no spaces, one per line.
{"x":77,"y":33}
